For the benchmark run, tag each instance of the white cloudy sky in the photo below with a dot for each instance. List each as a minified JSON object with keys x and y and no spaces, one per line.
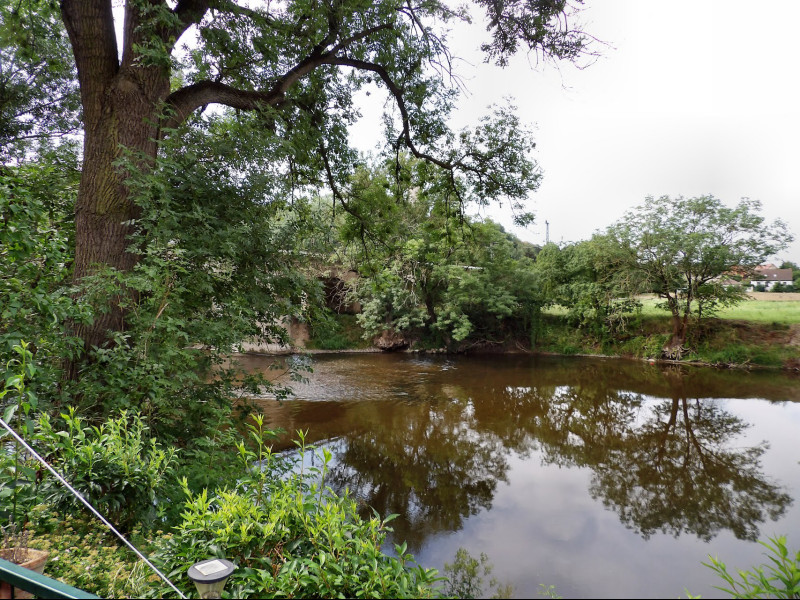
{"x":690,"y":97}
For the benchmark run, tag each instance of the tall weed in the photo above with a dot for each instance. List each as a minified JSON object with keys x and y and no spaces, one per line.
{"x":780,"y":578}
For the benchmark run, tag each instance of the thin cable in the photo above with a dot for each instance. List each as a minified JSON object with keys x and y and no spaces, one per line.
{"x":78,"y":495}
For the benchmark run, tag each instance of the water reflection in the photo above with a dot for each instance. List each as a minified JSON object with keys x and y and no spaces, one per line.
{"x":671,"y":466}
{"x":431,"y":440}
{"x":433,"y":465}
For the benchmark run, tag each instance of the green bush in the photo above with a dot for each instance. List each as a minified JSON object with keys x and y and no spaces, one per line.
{"x":289,"y":536}
{"x":115,"y":466}
{"x":330,"y":331}
{"x":649,"y":346}
{"x":36,"y":301}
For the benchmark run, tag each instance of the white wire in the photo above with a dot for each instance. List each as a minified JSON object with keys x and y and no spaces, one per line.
{"x":78,"y":495}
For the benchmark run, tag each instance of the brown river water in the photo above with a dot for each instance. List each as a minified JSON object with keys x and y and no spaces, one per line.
{"x":604,"y":478}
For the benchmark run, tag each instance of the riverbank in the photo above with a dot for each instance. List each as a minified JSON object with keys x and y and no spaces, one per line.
{"x":718,"y":342}
{"x":762,"y":332}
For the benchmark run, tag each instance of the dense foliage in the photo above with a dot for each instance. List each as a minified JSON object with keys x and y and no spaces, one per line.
{"x":39,"y":100}
{"x":585,"y":278}
{"x":427,"y":271}
{"x":219,"y":264}
{"x":289,"y":536}
{"x":683,"y":248}
{"x":115,"y":466}
{"x":36,"y":236}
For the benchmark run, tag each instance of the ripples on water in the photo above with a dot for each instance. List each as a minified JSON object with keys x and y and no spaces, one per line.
{"x":605,"y":478}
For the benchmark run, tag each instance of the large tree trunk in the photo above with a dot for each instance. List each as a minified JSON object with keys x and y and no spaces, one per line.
{"x":105,"y":211}
{"x":120,"y":103}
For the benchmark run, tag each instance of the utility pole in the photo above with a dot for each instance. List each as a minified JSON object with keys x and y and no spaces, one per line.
{"x":547,"y":232}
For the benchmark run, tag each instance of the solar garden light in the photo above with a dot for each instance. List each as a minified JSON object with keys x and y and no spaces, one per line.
{"x":209,"y":576}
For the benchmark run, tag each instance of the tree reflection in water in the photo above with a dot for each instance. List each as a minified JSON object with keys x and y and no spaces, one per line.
{"x":662,"y":459}
{"x":673,"y":469}
{"x":431,"y":464}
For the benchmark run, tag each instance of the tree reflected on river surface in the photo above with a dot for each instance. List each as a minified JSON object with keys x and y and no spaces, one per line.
{"x":665,"y":456}
{"x":665,"y":465}
{"x":432,"y":465}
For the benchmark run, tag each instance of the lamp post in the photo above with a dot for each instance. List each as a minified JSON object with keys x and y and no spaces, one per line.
{"x":209,"y":576}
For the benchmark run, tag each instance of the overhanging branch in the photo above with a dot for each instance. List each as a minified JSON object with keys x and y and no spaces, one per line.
{"x":395,"y":90}
{"x":187,"y":99}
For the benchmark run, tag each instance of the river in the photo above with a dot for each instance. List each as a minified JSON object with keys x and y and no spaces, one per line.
{"x":605,"y":478}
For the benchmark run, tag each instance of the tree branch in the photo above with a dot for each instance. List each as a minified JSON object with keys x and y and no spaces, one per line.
{"x":401,"y":105}
{"x":189,"y":12}
{"x":187,"y":99}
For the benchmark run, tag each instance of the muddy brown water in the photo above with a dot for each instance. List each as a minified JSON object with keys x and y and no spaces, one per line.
{"x":605,"y":478}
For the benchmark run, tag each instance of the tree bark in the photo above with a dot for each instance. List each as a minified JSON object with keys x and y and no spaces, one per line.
{"x":120,"y":102}
{"x":678,"y":325}
{"x":678,"y":331}
{"x":105,"y":212}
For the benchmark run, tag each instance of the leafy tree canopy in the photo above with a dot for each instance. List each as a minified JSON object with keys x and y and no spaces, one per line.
{"x":583,"y":277}
{"x":295,"y":66}
{"x":427,"y":269}
{"x":682,"y":249}
{"x":38,"y":88}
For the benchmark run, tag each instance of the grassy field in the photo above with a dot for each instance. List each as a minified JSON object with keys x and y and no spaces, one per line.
{"x":760,"y":307}
{"x":763,"y":330}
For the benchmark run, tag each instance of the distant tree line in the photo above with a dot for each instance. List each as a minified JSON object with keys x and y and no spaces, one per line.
{"x":430,"y":273}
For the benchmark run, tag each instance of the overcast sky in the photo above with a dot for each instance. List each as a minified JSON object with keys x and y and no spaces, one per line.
{"x":688,"y":98}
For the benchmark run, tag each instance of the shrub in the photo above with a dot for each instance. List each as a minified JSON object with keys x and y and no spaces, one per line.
{"x":35,"y":257}
{"x":115,"y":466}
{"x":18,"y":469}
{"x":289,"y":536}
{"x":329,"y":331}
{"x":648,"y":346}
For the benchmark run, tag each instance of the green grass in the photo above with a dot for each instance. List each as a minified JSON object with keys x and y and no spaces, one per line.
{"x":754,"y":333}
{"x":784,"y":312}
